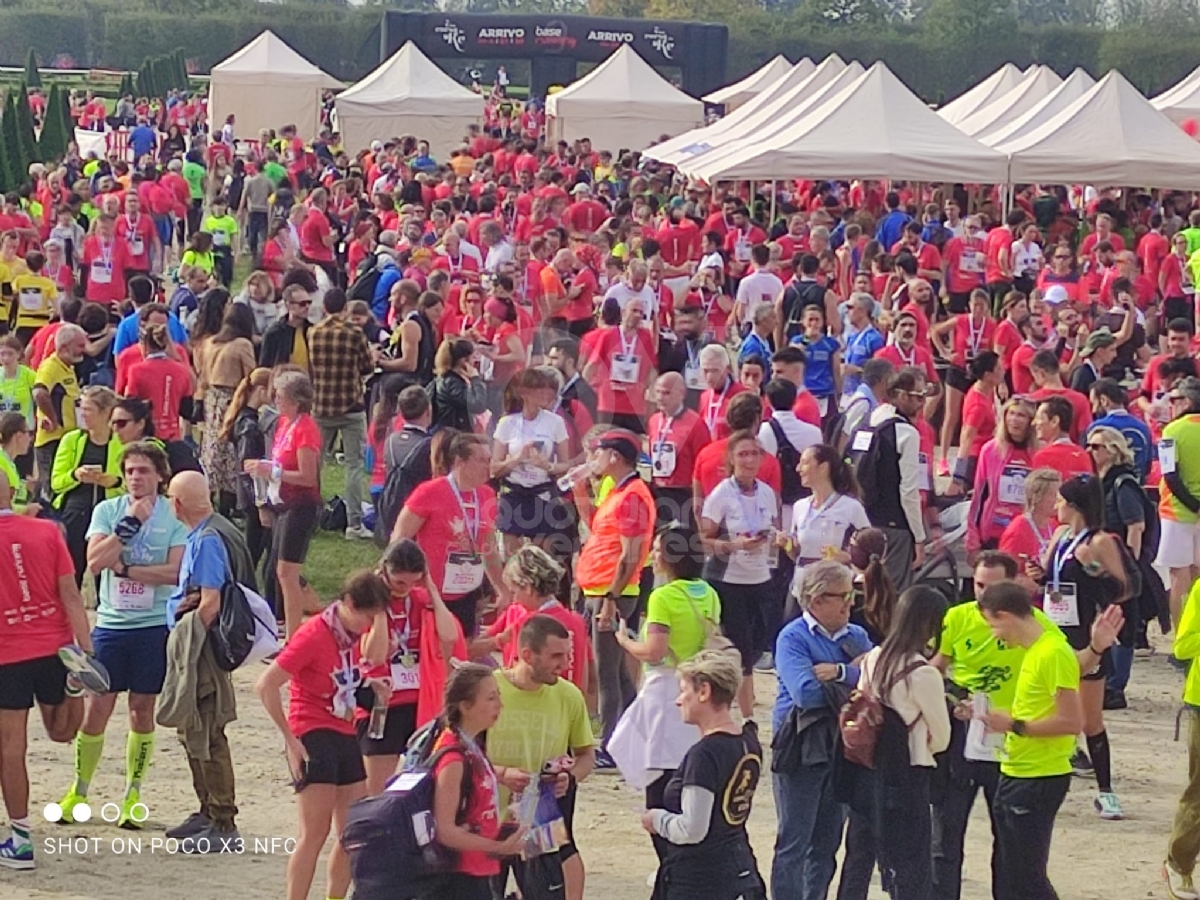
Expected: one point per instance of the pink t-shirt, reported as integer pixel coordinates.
(290, 439)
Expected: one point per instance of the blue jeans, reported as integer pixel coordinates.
(809, 833)
(1122, 663)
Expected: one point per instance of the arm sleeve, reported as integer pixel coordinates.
(908, 443)
(1129, 505)
(928, 691)
(794, 665)
(62, 474)
(691, 825)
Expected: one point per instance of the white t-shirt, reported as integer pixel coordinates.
(740, 515)
(546, 430)
(497, 256)
(622, 293)
(757, 288)
(1026, 260)
(800, 434)
(814, 529)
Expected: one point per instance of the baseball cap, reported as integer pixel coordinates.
(1056, 294)
(1097, 340)
(621, 441)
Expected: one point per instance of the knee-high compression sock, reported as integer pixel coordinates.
(88, 750)
(1101, 761)
(139, 749)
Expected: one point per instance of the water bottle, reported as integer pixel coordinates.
(260, 491)
(378, 721)
(575, 476)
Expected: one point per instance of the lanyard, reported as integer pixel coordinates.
(693, 354)
(1062, 554)
(471, 519)
(815, 512)
(663, 434)
(1043, 540)
(753, 522)
(976, 337)
(282, 440)
(911, 359)
(403, 636)
(714, 406)
(106, 253)
(627, 347)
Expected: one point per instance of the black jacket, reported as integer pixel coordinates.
(251, 444)
(455, 401)
(276, 348)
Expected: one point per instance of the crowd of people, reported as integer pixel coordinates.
(623, 442)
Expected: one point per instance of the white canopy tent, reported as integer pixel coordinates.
(770, 122)
(1073, 87)
(766, 107)
(734, 95)
(622, 103)
(991, 88)
(267, 84)
(408, 94)
(874, 128)
(1036, 86)
(1181, 102)
(1110, 135)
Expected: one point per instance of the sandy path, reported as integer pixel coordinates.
(1090, 858)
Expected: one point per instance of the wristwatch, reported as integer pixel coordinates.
(1018, 727)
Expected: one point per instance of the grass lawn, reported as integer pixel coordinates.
(331, 556)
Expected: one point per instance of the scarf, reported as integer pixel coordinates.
(341, 634)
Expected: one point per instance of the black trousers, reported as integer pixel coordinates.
(951, 810)
(256, 233)
(909, 871)
(1024, 811)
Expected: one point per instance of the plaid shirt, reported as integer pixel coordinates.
(340, 357)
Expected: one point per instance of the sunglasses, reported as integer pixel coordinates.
(301, 303)
(1092, 448)
(1060, 256)
(121, 423)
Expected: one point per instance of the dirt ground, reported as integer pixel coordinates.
(1090, 860)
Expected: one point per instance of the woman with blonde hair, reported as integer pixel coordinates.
(701, 819)
(1028, 535)
(1004, 463)
(259, 295)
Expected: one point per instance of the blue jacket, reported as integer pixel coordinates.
(389, 274)
(127, 332)
(1136, 432)
(801, 645)
(891, 229)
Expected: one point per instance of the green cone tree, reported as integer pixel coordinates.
(32, 77)
(29, 148)
(53, 142)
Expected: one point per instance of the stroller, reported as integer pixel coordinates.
(946, 567)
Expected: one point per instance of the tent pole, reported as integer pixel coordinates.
(771, 224)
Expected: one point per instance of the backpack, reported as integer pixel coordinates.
(789, 458)
(390, 838)
(397, 486)
(875, 459)
(1153, 532)
(245, 628)
(366, 277)
(861, 719)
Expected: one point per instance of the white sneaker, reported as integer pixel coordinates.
(1109, 807)
(1179, 886)
(359, 532)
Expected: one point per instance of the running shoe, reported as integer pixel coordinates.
(1081, 766)
(605, 762)
(68, 804)
(1115, 700)
(88, 671)
(20, 856)
(193, 825)
(766, 662)
(943, 468)
(1179, 886)
(131, 819)
(359, 532)
(213, 840)
(1109, 807)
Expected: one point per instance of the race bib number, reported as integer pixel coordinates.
(1166, 456)
(862, 441)
(625, 368)
(101, 272)
(693, 378)
(1012, 485)
(127, 595)
(31, 298)
(971, 261)
(137, 246)
(487, 369)
(741, 250)
(924, 473)
(664, 460)
(464, 573)
(220, 238)
(406, 674)
(1061, 605)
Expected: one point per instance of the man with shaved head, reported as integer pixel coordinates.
(676, 435)
(214, 555)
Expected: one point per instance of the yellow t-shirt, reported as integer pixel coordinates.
(681, 606)
(1049, 665)
(59, 379)
(36, 297)
(299, 356)
(202, 261)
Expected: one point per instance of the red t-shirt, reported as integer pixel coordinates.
(105, 266)
(1152, 249)
(613, 393)
(41, 343)
(290, 439)
(482, 814)
(918, 356)
(32, 617)
(138, 234)
(711, 469)
(688, 435)
(979, 411)
(1069, 459)
(1022, 377)
(585, 217)
(451, 528)
(404, 626)
(713, 405)
(970, 340)
(515, 615)
(965, 258)
(324, 680)
(805, 409)
(999, 238)
(163, 383)
(1021, 542)
(313, 232)
(1006, 341)
(463, 270)
(583, 306)
(1081, 421)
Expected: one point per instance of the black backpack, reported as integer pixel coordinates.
(366, 277)
(789, 458)
(399, 484)
(232, 634)
(390, 838)
(873, 453)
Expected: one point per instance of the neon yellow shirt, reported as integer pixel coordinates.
(202, 261)
(222, 229)
(679, 606)
(16, 393)
(1185, 432)
(1049, 666)
(979, 661)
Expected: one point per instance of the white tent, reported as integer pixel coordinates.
(1110, 135)
(874, 128)
(1181, 102)
(766, 107)
(771, 121)
(1075, 86)
(734, 95)
(622, 103)
(991, 88)
(267, 84)
(1039, 84)
(408, 94)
